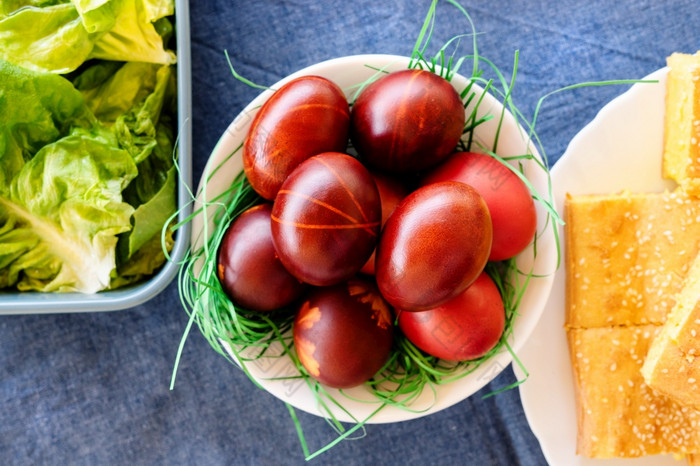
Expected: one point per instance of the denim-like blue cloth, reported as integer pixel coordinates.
(93, 388)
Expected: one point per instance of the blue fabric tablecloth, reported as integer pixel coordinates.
(93, 388)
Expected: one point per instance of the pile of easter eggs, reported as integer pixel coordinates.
(393, 238)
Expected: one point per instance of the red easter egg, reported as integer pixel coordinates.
(509, 200)
(306, 116)
(434, 245)
(248, 267)
(326, 219)
(343, 333)
(406, 121)
(466, 327)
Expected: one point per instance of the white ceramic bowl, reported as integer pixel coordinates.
(347, 72)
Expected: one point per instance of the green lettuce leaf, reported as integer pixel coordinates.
(7, 7)
(145, 131)
(111, 96)
(91, 76)
(134, 36)
(132, 95)
(67, 203)
(144, 262)
(16, 244)
(149, 218)
(97, 15)
(137, 128)
(35, 109)
(59, 37)
(138, 102)
(50, 38)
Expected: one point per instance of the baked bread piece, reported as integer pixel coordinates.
(672, 366)
(618, 414)
(681, 158)
(627, 255)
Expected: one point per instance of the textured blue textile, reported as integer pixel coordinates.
(93, 388)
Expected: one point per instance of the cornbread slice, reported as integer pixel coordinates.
(618, 414)
(627, 255)
(681, 158)
(673, 364)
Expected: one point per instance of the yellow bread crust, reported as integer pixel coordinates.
(673, 364)
(626, 256)
(681, 156)
(618, 414)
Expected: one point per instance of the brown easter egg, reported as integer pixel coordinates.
(406, 121)
(307, 116)
(326, 219)
(343, 333)
(248, 267)
(434, 245)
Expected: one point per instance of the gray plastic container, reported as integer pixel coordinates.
(12, 302)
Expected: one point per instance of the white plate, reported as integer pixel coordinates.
(348, 72)
(620, 149)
